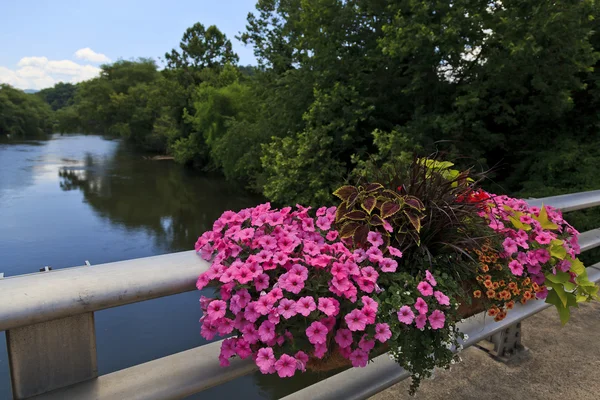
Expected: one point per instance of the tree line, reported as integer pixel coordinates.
(343, 87)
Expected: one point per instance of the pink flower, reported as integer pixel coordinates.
(382, 332)
(421, 306)
(301, 360)
(420, 321)
(291, 283)
(329, 306)
(268, 242)
(265, 359)
(405, 315)
(316, 333)
(305, 305)
(359, 358)
(543, 238)
(526, 219)
(369, 314)
(261, 282)
(515, 267)
(430, 278)
(370, 274)
(320, 350)
(331, 235)
(542, 294)
(441, 298)
(250, 312)
(224, 326)
(208, 331)
(510, 246)
(287, 308)
(359, 255)
(370, 303)
(425, 289)
(366, 344)
(285, 366)
(216, 309)
(250, 334)
(243, 275)
(329, 322)
(437, 319)
(299, 270)
(266, 331)
(365, 285)
(394, 251)
(280, 258)
(375, 239)
(311, 248)
(323, 223)
(343, 338)
(388, 265)
(264, 304)
(534, 269)
(356, 320)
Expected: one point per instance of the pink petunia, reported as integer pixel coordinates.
(430, 278)
(331, 235)
(356, 320)
(437, 319)
(369, 314)
(261, 282)
(388, 265)
(405, 315)
(285, 366)
(510, 246)
(264, 304)
(369, 302)
(291, 283)
(394, 251)
(425, 289)
(421, 306)
(287, 308)
(366, 344)
(515, 267)
(265, 359)
(382, 332)
(250, 312)
(216, 309)
(250, 333)
(329, 306)
(543, 238)
(359, 358)
(224, 326)
(243, 275)
(369, 273)
(324, 223)
(305, 306)
(441, 298)
(343, 338)
(299, 270)
(534, 269)
(316, 333)
(266, 331)
(375, 239)
(420, 321)
(301, 360)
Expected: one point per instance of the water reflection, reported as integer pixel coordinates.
(174, 205)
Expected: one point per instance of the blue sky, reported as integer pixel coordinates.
(43, 42)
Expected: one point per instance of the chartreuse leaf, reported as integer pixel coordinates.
(558, 251)
(345, 192)
(577, 267)
(543, 219)
(560, 277)
(559, 290)
(517, 222)
(562, 307)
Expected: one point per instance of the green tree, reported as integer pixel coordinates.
(22, 114)
(59, 96)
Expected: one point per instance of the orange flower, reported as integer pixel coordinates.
(502, 283)
(496, 286)
(485, 268)
(477, 294)
(527, 295)
(510, 305)
(512, 286)
(487, 277)
(505, 294)
(487, 259)
(490, 294)
(527, 281)
(501, 315)
(479, 278)
(523, 300)
(478, 252)
(485, 248)
(488, 284)
(493, 311)
(516, 292)
(498, 296)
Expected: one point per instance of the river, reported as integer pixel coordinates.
(71, 198)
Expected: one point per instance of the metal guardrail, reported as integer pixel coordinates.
(31, 305)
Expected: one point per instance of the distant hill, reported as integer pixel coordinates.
(30, 91)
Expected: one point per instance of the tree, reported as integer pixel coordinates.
(22, 114)
(59, 96)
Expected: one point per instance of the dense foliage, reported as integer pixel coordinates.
(23, 114)
(345, 86)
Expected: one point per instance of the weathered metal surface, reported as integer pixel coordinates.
(34, 298)
(52, 355)
(172, 377)
(589, 240)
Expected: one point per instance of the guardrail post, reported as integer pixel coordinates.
(52, 355)
(506, 344)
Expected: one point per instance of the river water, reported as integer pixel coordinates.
(71, 198)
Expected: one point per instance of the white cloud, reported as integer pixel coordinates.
(40, 73)
(90, 55)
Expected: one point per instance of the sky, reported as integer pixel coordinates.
(43, 42)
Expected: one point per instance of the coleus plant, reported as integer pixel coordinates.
(374, 208)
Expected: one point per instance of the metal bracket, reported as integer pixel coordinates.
(505, 345)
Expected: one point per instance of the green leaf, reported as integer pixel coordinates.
(345, 192)
(577, 267)
(569, 286)
(518, 224)
(564, 314)
(559, 290)
(558, 251)
(389, 208)
(560, 277)
(368, 204)
(543, 219)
